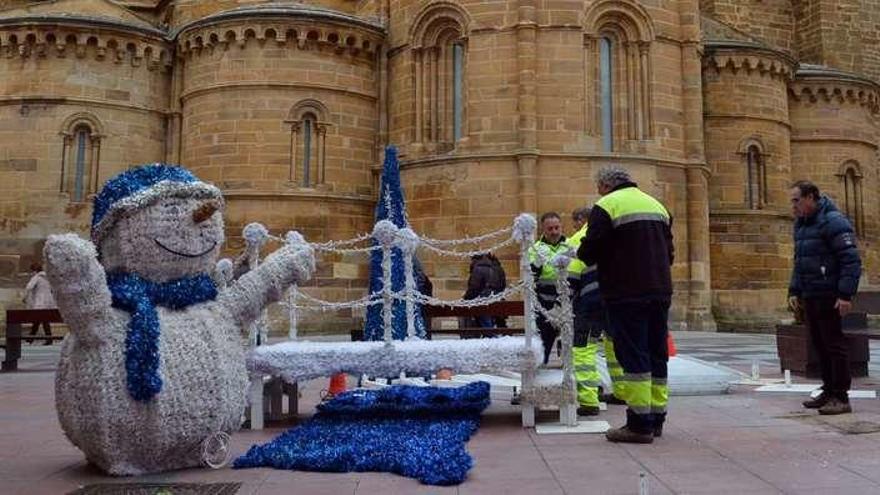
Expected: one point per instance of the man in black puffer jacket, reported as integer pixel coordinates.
(825, 277)
(486, 278)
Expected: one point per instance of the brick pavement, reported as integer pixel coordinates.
(738, 443)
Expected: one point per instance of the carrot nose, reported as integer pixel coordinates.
(205, 211)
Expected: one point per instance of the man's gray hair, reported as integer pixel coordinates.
(613, 176)
(581, 214)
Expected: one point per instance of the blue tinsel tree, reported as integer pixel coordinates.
(390, 206)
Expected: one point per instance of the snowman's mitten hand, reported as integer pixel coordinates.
(78, 281)
(255, 235)
(222, 275)
(256, 289)
(303, 257)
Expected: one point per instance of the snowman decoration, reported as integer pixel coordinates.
(154, 364)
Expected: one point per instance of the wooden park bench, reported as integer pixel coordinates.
(864, 304)
(498, 309)
(15, 320)
(796, 351)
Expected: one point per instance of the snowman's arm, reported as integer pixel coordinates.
(78, 281)
(246, 298)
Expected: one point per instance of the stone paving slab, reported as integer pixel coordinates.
(739, 443)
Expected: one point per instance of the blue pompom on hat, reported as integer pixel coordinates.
(142, 186)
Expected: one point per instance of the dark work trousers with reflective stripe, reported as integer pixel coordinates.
(639, 329)
(824, 322)
(548, 332)
(547, 298)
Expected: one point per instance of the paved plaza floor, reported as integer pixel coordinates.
(739, 443)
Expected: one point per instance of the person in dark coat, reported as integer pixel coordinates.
(824, 280)
(486, 278)
(630, 241)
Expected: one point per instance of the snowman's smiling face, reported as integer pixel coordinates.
(172, 238)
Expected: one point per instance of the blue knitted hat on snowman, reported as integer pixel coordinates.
(140, 187)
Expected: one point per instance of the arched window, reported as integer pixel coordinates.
(308, 128)
(606, 92)
(756, 178)
(308, 132)
(80, 156)
(457, 89)
(851, 177)
(617, 86)
(439, 51)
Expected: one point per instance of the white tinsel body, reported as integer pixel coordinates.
(201, 349)
(204, 391)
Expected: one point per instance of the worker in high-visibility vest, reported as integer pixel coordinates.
(542, 251)
(579, 219)
(588, 322)
(630, 240)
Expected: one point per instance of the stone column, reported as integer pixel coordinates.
(174, 130)
(95, 169)
(435, 94)
(65, 149)
(381, 139)
(591, 62)
(322, 150)
(526, 59)
(419, 73)
(645, 80)
(699, 310)
(294, 132)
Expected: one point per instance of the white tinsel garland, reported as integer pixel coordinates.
(305, 360)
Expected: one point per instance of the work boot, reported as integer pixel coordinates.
(612, 399)
(659, 419)
(625, 435)
(835, 406)
(588, 410)
(818, 402)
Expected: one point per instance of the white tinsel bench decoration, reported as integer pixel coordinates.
(297, 360)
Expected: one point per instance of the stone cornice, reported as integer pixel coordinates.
(833, 139)
(285, 13)
(245, 85)
(74, 20)
(41, 36)
(807, 72)
(813, 83)
(73, 100)
(435, 160)
(298, 31)
(118, 39)
(749, 56)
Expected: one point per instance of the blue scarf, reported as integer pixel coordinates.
(139, 297)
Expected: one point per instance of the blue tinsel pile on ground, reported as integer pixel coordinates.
(419, 432)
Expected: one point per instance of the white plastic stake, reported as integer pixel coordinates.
(788, 378)
(643, 483)
(756, 369)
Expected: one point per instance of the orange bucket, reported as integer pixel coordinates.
(337, 384)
